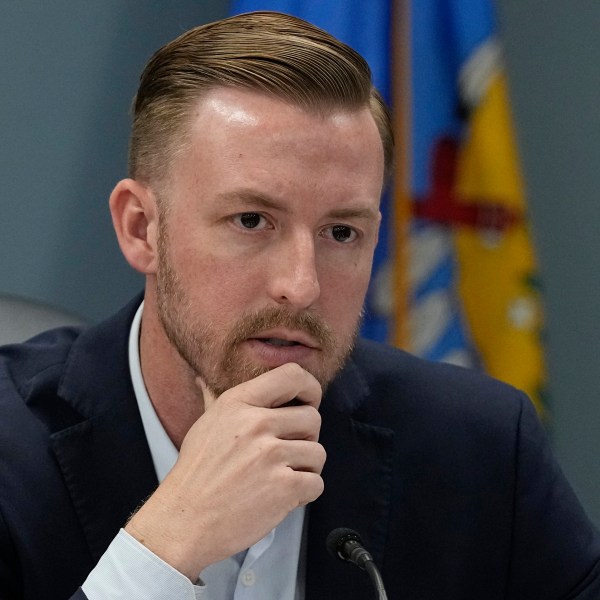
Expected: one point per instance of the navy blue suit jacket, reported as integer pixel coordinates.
(446, 473)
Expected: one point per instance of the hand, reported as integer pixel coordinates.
(243, 466)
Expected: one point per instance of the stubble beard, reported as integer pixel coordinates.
(216, 356)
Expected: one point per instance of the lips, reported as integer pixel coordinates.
(273, 348)
(285, 338)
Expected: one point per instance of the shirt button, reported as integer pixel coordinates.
(248, 578)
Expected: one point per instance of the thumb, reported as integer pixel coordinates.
(208, 397)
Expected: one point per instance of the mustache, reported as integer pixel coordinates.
(268, 318)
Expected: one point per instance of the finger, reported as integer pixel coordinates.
(278, 387)
(295, 423)
(305, 456)
(308, 486)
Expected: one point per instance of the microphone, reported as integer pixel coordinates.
(346, 544)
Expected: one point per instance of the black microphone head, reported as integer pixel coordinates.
(337, 538)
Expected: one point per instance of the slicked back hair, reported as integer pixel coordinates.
(269, 52)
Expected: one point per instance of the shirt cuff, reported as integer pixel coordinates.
(129, 570)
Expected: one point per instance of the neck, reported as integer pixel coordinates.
(169, 380)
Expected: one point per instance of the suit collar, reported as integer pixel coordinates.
(358, 480)
(98, 363)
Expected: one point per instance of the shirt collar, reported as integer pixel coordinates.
(163, 451)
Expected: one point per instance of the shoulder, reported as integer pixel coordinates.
(400, 388)
(38, 362)
(64, 374)
(396, 369)
(450, 426)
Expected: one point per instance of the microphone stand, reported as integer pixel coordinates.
(346, 544)
(371, 568)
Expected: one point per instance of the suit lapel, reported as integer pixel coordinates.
(104, 458)
(358, 479)
(108, 471)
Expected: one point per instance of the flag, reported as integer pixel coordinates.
(472, 256)
(454, 275)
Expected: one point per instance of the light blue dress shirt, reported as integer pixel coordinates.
(267, 570)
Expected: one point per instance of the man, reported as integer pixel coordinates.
(178, 450)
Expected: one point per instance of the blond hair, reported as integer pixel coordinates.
(270, 52)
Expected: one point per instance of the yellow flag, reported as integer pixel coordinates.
(498, 280)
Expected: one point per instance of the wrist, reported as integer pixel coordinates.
(168, 548)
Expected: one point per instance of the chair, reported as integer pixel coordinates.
(21, 318)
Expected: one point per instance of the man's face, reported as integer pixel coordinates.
(265, 250)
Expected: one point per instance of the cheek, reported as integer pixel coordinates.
(343, 291)
(222, 287)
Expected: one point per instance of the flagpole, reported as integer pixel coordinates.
(401, 211)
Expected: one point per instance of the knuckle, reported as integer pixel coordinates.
(314, 416)
(321, 455)
(311, 420)
(247, 393)
(292, 370)
(274, 449)
(250, 423)
(303, 487)
(317, 488)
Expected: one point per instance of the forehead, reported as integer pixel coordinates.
(238, 137)
(242, 111)
(233, 106)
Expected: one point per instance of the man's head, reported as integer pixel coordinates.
(257, 161)
(270, 52)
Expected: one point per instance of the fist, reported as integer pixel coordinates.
(249, 460)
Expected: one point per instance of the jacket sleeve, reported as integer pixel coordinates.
(556, 548)
(10, 586)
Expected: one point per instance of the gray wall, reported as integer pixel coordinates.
(553, 54)
(67, 75)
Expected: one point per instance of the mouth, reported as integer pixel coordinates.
(278, 342)
(276, 347)
(286, 339)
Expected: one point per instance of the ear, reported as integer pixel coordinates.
(135, 219)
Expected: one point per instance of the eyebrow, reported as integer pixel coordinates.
(353, 213)
(252, 198)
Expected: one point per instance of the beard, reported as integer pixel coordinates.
(216, 355)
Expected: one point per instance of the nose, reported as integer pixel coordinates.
(293, 277)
